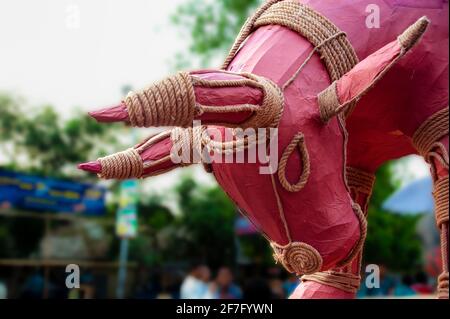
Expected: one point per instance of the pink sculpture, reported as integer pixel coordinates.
(295, 68)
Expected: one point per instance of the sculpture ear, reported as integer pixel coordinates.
(345, 92)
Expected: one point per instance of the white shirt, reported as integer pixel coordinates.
(192, 288)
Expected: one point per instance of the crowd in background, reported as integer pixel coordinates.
(405, 285)
(202, 283)
(199, 283)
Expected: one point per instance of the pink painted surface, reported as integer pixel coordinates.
(320, 214)
(380, 127)
(220, 97)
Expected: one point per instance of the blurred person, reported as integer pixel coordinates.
(421, 285)
(196, 284)
(403, 288)
(276, 286)
(225, 288)
(275, 283)
(290, 284)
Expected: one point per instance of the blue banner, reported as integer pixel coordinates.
(29, 192)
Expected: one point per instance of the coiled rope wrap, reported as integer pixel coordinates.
(338, 54)
(345, 281)
(359, 180)
(426, 140)
(128, 164)
(172, 101)
(328, 101)
(443, 286)
(169, 102)
(363, 234)
(440, 194)
(122, 165)
(298, 258)
(431, 131)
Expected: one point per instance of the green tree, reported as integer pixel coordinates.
(207, 220)
(392, 239)
(211, 27)
(155, 219)
(41, 142)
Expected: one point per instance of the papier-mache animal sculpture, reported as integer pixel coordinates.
(334, 98)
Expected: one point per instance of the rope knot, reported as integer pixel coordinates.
(123, 165)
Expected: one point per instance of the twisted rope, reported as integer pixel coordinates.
(122, 165)
(297, 140)
(440, 194)
(431, 131)
(298, 258)
(359, 180)
(426, 141)
(443, 286)
(169, 102)
(328, 101)
(363, 234)
(229, 147)
(309, 57)
(268, 114)
(336, 51)
(345, 281)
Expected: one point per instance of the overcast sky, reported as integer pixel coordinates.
(80, 53)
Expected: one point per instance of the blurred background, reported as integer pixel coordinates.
(147, 239)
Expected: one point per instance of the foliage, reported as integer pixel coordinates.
(202, 231)
(41, 142)
(392, 240)
(212, 26)
(207, 218)
(154, 219)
